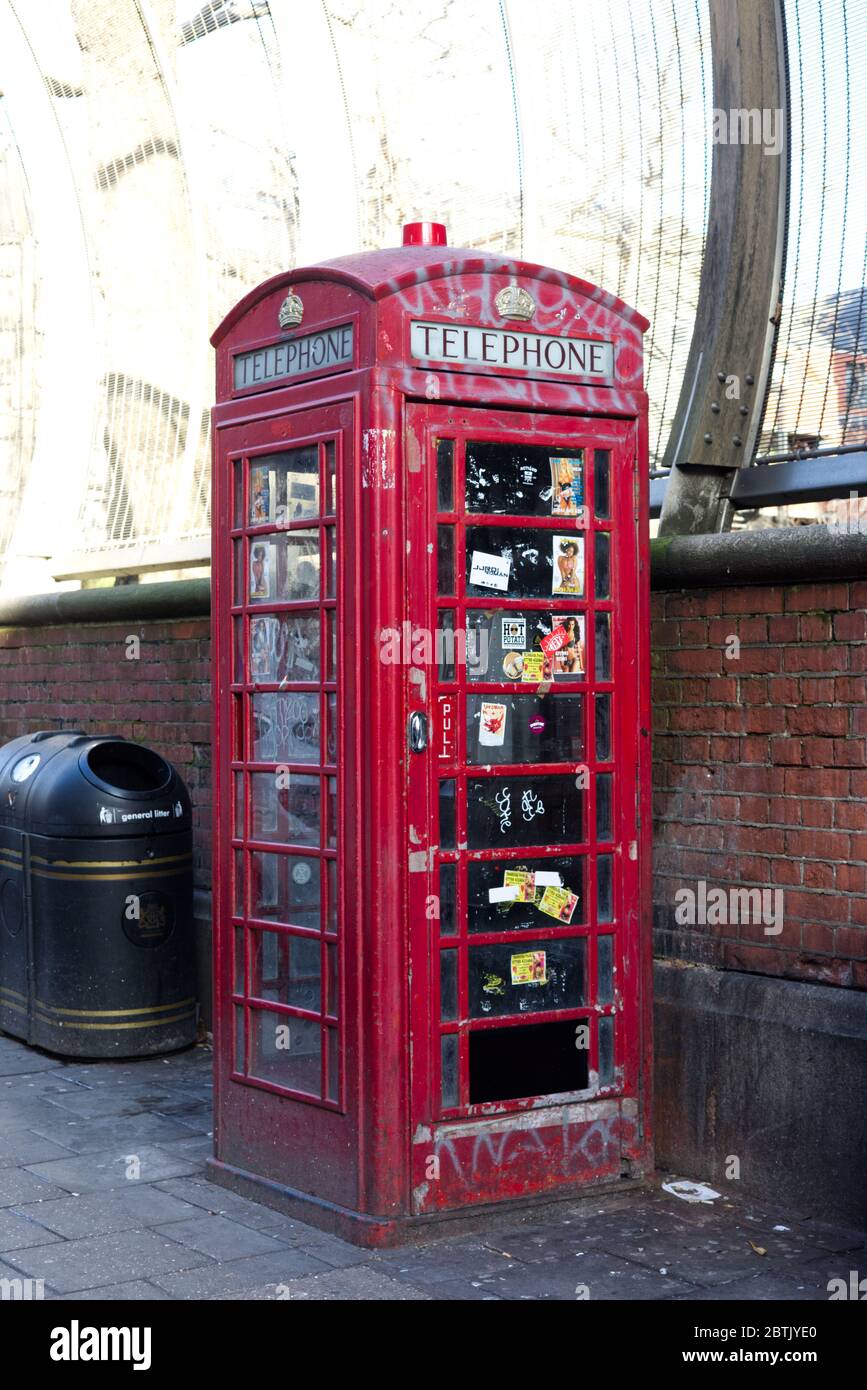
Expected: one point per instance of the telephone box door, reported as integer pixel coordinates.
(523, 789)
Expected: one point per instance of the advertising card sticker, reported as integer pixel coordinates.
(529, 968)
(559, 903)
(567, 486)
(568, 567)
(514, 633)
(492, 724)
(490, 571)
(534, 666)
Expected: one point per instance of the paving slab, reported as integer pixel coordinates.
(358, 1284)
(20, 1146)
(108, 1168)
(18, 1231)
(234, 1277)
(221, 1238)
(98, 1261)
(138, 1206)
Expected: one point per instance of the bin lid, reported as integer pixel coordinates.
(63, 782)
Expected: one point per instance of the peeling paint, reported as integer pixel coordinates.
(418, 861)
(377, 458)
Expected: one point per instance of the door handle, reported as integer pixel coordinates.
(418, 731)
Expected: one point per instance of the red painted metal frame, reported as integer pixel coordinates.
(358, 1164)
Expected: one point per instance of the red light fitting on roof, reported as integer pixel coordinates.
(424, 234)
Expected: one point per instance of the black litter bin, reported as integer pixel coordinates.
(97, 954)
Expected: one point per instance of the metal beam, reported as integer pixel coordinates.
(778, 484)
(720, 410)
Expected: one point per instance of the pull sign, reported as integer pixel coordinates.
(446, 728)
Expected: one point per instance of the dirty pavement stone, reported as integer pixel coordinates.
(104, 1195)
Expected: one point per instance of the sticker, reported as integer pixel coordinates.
(567, 657)
(559, 903)
(446, 723)
(523, 883)
(546, 879)
(537, 724)
(513, 665)
(263, 644)
(261, 569)
(534, 667)
(514, 633)
(509, 893)
(494, 984)
(490, 571)
(492, 725)
(529, 968)
(302, 873)
(568, 573)
(567, 486)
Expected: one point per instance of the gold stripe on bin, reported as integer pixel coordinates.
(103, 1027)
(113, 1013)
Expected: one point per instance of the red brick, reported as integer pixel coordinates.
(761, 599)
(810, 597)
(817, 844)
(816, 690)
(817, 719)
(753, 690)
(850, 627)
(815, 627)
(818, 875)
(755, 749)
(752, 808)
(694, 661)
(850, 815)
(817, 813)
(817, 938)
(827, 907)
(850, 689)
(850, 752)
(786, 752)
(758, 661)
(786, 871)
(783, 629)
(784, 690)
(700, 604)
(724, 750)
(852, 878)
(851, 943)
(829, 658)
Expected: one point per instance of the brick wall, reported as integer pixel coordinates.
(760, 758)
(80, 677)
(760, 778)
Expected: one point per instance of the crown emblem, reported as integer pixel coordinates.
(291, 311)
(515, 303)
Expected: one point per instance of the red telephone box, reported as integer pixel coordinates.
(432, 851)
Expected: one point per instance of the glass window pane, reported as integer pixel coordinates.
(333, 1041)
(331, 643)
(449, 1070)
(525, 728)
(330, 563)
(285, 888)
(606, 1051)
(530, 977)
(333, 912)
(446, 644)
(331, 740)
(284, 647)
(448, 902)
(238, 884)
(284, 567)
(525, 645)
(516, 479)
(524, 562)
(239, 805)
(491, 908)
(445, 475)
(604, 808)
(445, 559)
(601, 483)
(331, 478)
(286, 969)
(333, 967)
(286, 1051)
(240, 1047)
(603, 646)
(605, 969)
(504, 811)
(604, 889)
(603, 728)
(284, 487)
(238, 493)
(602, 542)
(238, 961)
(332, 812)
(448, 985)
(447, 814)
(285, 727)
(238, 651)
(287, 813)
(238, 571)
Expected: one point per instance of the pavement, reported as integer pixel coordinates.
(103, 1195)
